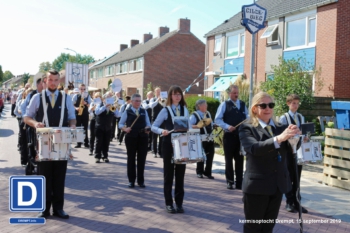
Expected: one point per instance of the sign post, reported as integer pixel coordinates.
(253, 19)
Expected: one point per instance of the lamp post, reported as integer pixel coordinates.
(71, 50)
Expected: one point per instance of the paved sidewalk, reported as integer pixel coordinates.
(98, 200)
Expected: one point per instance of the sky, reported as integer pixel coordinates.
(36, 31)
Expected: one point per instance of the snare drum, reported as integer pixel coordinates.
(78, 135)
(187, 148)
(61, 135)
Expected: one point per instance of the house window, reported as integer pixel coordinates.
(100, 73)
(140, 64)
(122, 67)
(93, 74)
(133, 65)
(109, 70)
(271, 33)
(235, 45)
(218, 40)
(301, 32)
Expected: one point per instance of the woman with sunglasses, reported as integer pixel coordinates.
(178, 106)
(266, 177)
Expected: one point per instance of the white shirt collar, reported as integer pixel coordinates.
(48, 93)
(263, 124)
(291, 113)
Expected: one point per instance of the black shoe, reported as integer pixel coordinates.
(170, 209)
(86, 146)
(91, 153)
(77, 146)
(209, 176)
(106, 160)
(179, 209)
(199, 175)
(97, 160)
(154, 155)
(238, 187)
(290, 208)
(142, 185)
(304, 211)
(131, 185)
(120, 143)
(44, 214)
(60, 214)
(229, 185)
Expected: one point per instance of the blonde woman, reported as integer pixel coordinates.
(266, 177)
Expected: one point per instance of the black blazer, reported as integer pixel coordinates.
(264, 174)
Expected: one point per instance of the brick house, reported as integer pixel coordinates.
(175, 57)
(317, 30)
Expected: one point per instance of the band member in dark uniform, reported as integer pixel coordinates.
(229, 114)
(266, 177)
(178, 106)
(156, 106)
(92, 108)
(104, 116)
(135, 123)
(54, 171)
(118, 101)
(124, 107)
(202, 116)
(81, 111)
(147, 107)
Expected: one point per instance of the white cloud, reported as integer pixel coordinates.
(177, 9)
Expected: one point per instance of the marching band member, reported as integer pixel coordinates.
(156, 108)
(202, 115)
(92, 108)
(103, 129)
(135, 123)
(266, 177)
(178, 105)
(229, 114)
(147, 107)
(124, 107)
(118, 101)
(54, 171)
(295, 118)
(19, 112)
(82, 117)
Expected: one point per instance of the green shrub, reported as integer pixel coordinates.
(213, 104)
(220, 138)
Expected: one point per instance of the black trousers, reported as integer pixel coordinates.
(261, 207)
(157, 147)
(83, 120)
(136, 147)
(19, 145)
(121, 136)
(102, 142)
(208, 148)
(92, 134)
(291, 197)
(231, 150)
(24, 144)
(150, 142)
(13, 106)
(172, 170)
(55, 175)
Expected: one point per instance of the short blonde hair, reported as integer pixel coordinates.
(97, 94)
(254, 120)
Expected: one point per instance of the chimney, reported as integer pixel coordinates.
(122, 47)
(147, 37)
(163, 31)
(184, 25)
(133, 43)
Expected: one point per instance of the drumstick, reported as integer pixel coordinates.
(240, 123)
(168, 132)
(134, 121)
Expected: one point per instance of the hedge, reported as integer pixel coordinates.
(213, 104)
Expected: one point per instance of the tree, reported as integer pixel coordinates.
(294, 76)
(44, 67)
(1, 74)
(147, 89)
(109, 83)
(25, 78)
(60, 62)
(7, 75)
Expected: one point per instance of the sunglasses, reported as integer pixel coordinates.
(263, 106)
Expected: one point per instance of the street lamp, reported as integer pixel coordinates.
(72, 50)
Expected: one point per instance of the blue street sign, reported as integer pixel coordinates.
(253, 17)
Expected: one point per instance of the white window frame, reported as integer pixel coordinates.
(139, 65)
(269, 34)
(108, 71)
(307, 16)
(238, 33)
(218, 38)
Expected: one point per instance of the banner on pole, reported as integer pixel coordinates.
(253, 17)
(77, 74)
